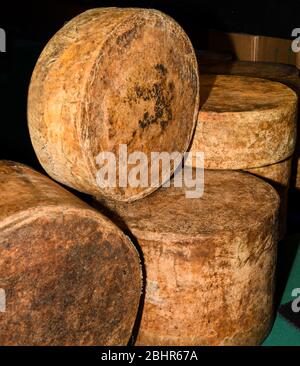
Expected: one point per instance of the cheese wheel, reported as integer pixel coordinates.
(278, 175)
(68, 275)
(111, 77)
(244, 122)
(209, 261)
(286, 74)
(266, 70)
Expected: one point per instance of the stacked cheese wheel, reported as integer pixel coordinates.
(70, 276)
(248, 123)
(209, 261)
(278, 175)
(285, 74)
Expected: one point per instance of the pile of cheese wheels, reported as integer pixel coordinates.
(146, 264)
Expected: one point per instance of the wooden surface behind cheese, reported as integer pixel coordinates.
(112, 76)
(70, 276)
(209, 261)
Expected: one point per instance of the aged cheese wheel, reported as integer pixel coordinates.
(278, 175)
(244, 122)
(286, 74)
(69, 275)
(209, 261)
(111, 77)
(266, 70)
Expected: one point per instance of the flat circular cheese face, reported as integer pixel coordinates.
(232, 201)
(244, 122)
(112, 77)
(242, 94)
(68, 275)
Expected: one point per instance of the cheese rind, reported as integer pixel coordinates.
(111, 77)
(206, 260)
(285, 74)
(278, 175)
(69, 275)
(244, 122)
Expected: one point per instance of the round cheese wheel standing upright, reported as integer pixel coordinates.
(68, 275)
(209, 261)
(278, 175)
(244, 122)
(112, 79)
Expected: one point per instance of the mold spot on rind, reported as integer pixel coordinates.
(162, 108)
(161, 69)
(163, 124)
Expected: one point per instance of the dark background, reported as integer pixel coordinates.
(38, 20)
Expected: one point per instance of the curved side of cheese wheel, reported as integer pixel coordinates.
(111, 77)
(278, 175)
(70, 276)
(285, 74)
(294, 83)
(209, 261)
(244, 122)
